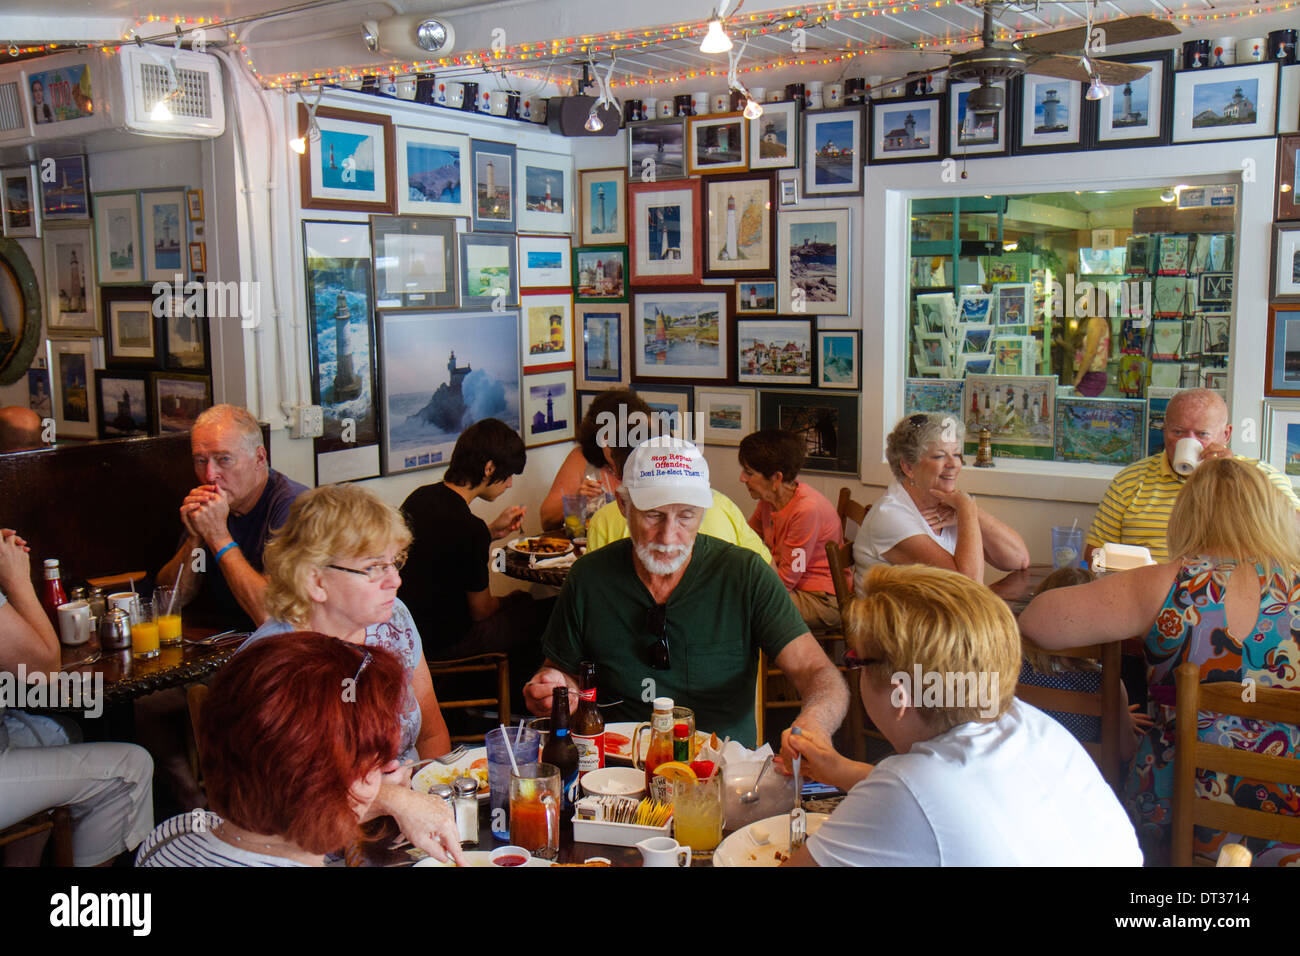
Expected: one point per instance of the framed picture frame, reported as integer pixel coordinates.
(777, 351)
(163, 226)
(1231, 102)
(755, 296)
(603, 206)
(194, 204)
(337, 257)
(72, 299)
(1282, 365)
(133, 326)
(430, 173)
(198, 257)
(117, 238)
(839, 358)
(739, 218)
(601, 336)
(774, 138)
(788, 191)
(814, 249)
(415, 262)
(827, 421)
(351, 166)
(126, 408)
(656, 150)
(545, 191)
(664, 233)
(72, 364)
(549, 409)
(600, 274)
(423, 412)
(1137, 113)
(1288, 96)
(546, 332)
(545, 262)
(21, 202)
(185, 344)
(832, 152)
(724, 415)
(1018, 409)
(1286, 208)
(973, 134)
(494, 186)
(1282, 437)
(1284, 273)
(673, 406)
(1049, 114)
(1105, 431)
(681, 335)
(487, 270)
(717, 143)
(907, 130)
(65, 192)
(179, 399)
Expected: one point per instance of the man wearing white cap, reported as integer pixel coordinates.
(669, 612)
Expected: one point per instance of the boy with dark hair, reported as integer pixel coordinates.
(445, 580)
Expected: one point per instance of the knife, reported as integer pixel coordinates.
(798, 820)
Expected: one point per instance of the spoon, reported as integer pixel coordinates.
(751, 796)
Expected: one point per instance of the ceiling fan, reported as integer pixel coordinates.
(1061, 54)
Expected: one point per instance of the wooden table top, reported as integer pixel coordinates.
(126, 677)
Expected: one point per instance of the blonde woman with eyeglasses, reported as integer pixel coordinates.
(334, 568)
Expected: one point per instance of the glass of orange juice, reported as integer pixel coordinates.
(167, 611)
(144, 633)
(698, 814)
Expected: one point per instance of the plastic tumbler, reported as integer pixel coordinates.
(575, 515)
(528, 751)
(1067, 545)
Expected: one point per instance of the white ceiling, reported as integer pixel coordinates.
(316, 35)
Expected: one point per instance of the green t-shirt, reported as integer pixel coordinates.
(727, 605)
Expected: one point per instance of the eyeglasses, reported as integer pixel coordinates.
(919, 419)
(656, 622)
(851, 660)
(366, 657)
(374, 572)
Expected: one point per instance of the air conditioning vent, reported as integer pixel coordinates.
(11, 108)
(193, 99)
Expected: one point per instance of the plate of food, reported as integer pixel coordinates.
(483, 858)
(543, 545)
(472, 762)
(763, 843)
(618, 740)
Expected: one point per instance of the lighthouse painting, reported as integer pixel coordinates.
(739, 226)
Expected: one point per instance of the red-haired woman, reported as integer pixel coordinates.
(295, 735)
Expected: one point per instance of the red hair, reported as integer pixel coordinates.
(285, 733)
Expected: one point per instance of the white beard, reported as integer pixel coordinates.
(663, 559)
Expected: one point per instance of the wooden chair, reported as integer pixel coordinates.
(850, 510)
(195, 695)
(1104, 703)
(1269, 704)
(57, 820)
(477, 664)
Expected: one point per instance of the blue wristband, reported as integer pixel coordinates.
(233, 544)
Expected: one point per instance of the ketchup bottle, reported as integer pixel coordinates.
(52, 593)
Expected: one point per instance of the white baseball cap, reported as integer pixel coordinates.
(667, 471)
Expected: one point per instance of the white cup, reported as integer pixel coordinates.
(128, 601)
(455, 95)
(1223, 51)
(1187, 455)
(758, 94)
(1252, 50)
(700, 102)
(776, 95)
(538, 110)
(666, 107)
(664, 851)
(498, 102)
(440, 96)
(814, 92)
(74, 623)
(834, 95)
(721, 102)
(388, 85)
(406, 88)
(650, 107)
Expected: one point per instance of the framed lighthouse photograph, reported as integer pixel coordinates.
(603, 202)
(739, 218)
(350, 166)
(1137, 112)
(906, 130)
(832, 152)
(1051, 114)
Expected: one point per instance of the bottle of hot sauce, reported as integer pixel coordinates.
(588, 724)
(661, 738)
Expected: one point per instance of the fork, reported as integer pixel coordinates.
(446, 759)
(798, 820)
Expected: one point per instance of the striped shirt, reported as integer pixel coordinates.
(188, 840)
(1136, 507)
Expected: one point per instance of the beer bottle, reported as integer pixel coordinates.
(588, 725)
(560, 751)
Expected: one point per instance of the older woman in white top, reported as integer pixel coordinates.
(922, 518)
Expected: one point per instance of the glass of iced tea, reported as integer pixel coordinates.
(535, 809)
(167, 612)
(697, 814)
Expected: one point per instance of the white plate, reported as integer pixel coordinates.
(515, 547)
(739, 848)
(624, 753)
(483, 858)
(432, 773)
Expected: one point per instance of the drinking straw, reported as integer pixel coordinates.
(505, 739)
(519, 733)
(176, 588)
(1075, 524)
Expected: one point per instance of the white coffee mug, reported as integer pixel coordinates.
(1187, 455)
(406, 88)
(834, 94)
(666, 107)
(388, 85)
(498, 101)
(1223, 51)
(526, 107)
(538, 110)
(1252, 50)
(455, 95)
(649, 107)
(721, 102)
(700, 102)
(441, 97)
(776, 95)
(664, 851)
(814, 93)
(758, 94)
(74, 623)
(128, 601)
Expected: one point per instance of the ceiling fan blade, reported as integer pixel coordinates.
(1114, 32)
(909, 77)
(1113, 74)
(1070, 68)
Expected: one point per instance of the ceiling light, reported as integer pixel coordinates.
(161, 112)
(370, 34)
(1096, 90)
(1168, 195)
(716, 40)
(593, 124)
(298, 145)
(753, 109)
(432, 35)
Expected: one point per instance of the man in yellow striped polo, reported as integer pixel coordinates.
(1135, 509)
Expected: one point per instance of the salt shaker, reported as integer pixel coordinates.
(465, 802)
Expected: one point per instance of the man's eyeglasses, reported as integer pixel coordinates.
(374, 572)
(656, 622)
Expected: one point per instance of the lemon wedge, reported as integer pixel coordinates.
(675, 770)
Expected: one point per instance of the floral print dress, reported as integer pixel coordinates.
(1192, 626)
